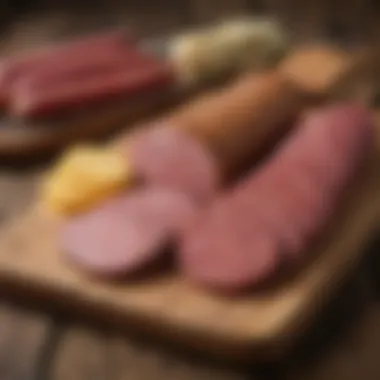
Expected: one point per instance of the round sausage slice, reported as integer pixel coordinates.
(225, 248)
(166, 157)
(126, 233)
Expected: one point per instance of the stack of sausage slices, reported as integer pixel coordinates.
(233, 185)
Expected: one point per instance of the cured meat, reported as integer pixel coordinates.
(65, 55)
(165, 157)
(78, 68)
(187, 153)
(222, 255)
(294, 199)
(125, 234)
(74, 93)
(240, 121)
(274, 213)
(207, 142)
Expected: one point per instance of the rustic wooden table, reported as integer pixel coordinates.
(36, 344)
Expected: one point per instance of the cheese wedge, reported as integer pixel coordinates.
(84, 177)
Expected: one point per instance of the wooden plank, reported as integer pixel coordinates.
(24, 334)
(205, 11)
(152, 18)
(306, 21)
(16, 192)
(87, 354)
(353, 356)
(345, 346)
(31, 32)
(80, 355)
(23, 338)
(351, 21)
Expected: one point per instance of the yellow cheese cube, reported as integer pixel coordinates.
(84, 177)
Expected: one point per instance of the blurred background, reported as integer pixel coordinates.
(349, 21)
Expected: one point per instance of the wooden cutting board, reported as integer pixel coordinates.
(262, 323)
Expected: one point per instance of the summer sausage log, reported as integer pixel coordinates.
(273, 214)
(238, 122)
(12, 69)
(122, 235)
(232, 126)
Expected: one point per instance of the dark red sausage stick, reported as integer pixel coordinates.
(73, 93)
(79, 68)
(66, 54)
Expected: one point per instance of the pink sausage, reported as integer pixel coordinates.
(276, 212)
(167, 157)
(127, 233)
(218, 249)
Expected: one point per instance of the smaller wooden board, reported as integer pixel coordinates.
(23, 140)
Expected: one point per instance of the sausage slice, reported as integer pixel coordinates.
(166, 157)
(126, 233)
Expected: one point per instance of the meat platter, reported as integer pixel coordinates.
(223, 225)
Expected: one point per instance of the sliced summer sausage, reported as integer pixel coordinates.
(216, 136)
(169, 158)
(278, 217)
(187, 152)
(126, 233)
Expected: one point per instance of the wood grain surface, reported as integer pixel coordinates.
(343, 345)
